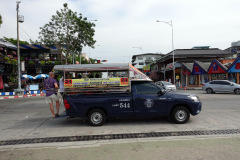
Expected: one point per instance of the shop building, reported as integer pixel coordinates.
(203, 54)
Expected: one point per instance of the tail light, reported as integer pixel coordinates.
(67, 106)
(203, 84)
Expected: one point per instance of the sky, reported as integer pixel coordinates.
(124, 24)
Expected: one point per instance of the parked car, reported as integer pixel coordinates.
(221, 86)
(166, 85)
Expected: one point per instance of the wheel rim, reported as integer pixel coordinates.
(237, 91)
(209, 91)
(181, 115)
(96, 118)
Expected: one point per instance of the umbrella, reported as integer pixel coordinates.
(40, 76)
(25, 76)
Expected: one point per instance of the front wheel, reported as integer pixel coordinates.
(237, 91)
(180, 115)
(96, 117)
(209, 90)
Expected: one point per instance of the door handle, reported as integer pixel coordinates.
(162, 98)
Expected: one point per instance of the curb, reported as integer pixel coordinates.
(23, 96)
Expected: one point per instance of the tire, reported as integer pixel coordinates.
(237, 91)
(209, 90)
(180, 115)
(96, 117)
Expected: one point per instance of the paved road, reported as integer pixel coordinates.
(31, 118)
(182, 149)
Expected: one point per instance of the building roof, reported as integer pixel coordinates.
(145, 54)
(183, 53)
(188, 66)
(204, 66)
(4, 43)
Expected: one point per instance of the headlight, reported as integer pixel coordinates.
(194, 98)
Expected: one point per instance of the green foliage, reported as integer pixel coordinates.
(59, 77)
(34, 42)
(57, 62)
(69, 29)
(14, 41)
(13, 62)
(42, 63)
(10, 60)
(49, 62)
(13, 78)
(1, 21)
(31, 63)
(6, 58)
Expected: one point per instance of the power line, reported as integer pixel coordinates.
(25, 33)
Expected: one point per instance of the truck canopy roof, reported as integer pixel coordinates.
(93, 67)
(134, 73)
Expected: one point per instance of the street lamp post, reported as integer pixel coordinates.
(170, 23)
(19, 19)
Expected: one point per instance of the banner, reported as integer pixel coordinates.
(146, 68)
(95, 82)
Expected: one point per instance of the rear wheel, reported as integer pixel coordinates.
(96, 117)
(237, 91)
(180, 115)
(209, 90)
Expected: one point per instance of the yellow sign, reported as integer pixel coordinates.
(95, 82)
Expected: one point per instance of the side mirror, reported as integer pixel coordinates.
(232, 84)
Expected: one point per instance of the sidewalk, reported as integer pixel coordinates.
(190, 88)
(21, 96)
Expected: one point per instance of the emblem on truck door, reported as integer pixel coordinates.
(148, 103)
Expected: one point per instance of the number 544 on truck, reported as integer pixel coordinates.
(103, 91)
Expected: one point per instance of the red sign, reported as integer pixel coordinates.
(67, 83)
(215, 68)
(186, 72)
(237, 66)
(124, 81)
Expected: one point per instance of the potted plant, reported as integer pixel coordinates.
(31, 63)
(57, 62)
(42, 63)
(49, 62)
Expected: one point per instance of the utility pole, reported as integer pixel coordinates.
(19, 19)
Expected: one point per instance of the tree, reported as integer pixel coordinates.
(1, 21)
(14, 41)
(68, 29)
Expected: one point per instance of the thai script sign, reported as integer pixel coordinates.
(95, 82)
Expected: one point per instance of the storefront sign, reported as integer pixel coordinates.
(146, 68)
(235, 66)
(95, 82)
(215, 67)
(197, 69)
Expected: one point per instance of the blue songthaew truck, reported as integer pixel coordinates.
(120, 90)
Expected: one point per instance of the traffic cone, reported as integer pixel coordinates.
(181, 86)
(185, 88)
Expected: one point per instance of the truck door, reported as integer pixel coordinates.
(147, 101)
